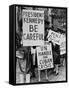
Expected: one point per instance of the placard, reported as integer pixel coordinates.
(54, 37)
(33, 27)
(63, 45)
(44, 56)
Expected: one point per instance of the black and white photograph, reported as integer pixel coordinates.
(40, 44)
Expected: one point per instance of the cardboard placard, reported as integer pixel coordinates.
(33, 27)
(63, 45)
(59, 39)
(54, 37)
(44, 56)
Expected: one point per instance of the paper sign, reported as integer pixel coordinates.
(33, 27)
(44, 56)
(63, 45)
(54, 37)
(59, 39)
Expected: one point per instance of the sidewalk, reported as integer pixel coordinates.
(61, 76)
(51, 76)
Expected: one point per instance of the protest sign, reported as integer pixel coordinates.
(33, 27)
(44, 56)
(59, 39)
(63, 45)
(54, 37)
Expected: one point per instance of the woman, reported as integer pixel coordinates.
(56, 57)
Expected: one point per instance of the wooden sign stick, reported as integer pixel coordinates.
(46, 74)
(33, 58)
(39, 79)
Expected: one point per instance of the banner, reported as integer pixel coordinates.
(33, 27)
(54, 37)
(44, 56)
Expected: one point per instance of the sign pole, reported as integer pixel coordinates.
(28, 75)
(46, 74)
(33, 58)
(39, 75)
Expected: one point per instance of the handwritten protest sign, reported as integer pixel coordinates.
(54, 37)
(59, 39)
(63, 45)
(33, 27)
(44, 56)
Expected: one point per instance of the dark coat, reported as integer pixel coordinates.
(56, 54)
